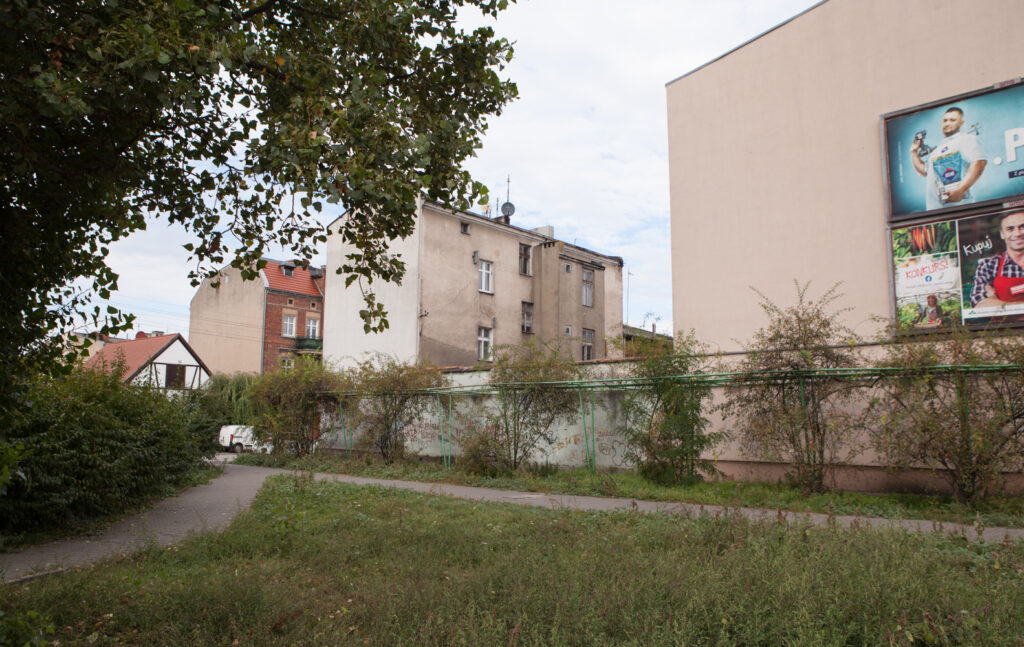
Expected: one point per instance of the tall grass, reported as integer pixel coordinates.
(315, 563)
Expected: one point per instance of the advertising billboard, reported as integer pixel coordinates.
(957, 153)
(969, 270)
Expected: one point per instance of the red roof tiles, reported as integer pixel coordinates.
(300, 282)
(135, 354)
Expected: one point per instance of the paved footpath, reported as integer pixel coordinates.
(212, 506)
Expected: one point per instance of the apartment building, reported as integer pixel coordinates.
(255, 326)
(474, 282)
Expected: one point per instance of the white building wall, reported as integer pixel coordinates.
(176, 353)
(345, 341)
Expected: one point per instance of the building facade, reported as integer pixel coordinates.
(804, 155)
(256, 326)
(163, 361)
(777, 160)
(473, 283)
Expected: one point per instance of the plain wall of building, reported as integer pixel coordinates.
(775, 156)
(225, 323)
(345, 341)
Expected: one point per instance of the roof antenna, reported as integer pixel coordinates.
(508, 208)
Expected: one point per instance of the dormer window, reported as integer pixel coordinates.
(287, 270)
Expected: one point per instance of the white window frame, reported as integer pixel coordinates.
(484, 344)
(313, 322)
(588, 344)
(486, 277)
(587, 299)
(287, 363)
(288, 324)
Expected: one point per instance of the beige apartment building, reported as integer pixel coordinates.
(777, 156)
(811, 153)
(472, 283)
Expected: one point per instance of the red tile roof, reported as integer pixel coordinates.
(135, 354)
(300, 282)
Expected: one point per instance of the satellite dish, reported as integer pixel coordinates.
(508, 209)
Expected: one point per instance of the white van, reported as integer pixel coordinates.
(238, 438)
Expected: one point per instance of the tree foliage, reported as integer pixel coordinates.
(242, 121)
(290, 405)
(966, 424)
(780, 407)
(391, 396)
(528, 401)
(222, 400)
(665, 427)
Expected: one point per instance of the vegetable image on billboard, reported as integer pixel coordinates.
(926, 275)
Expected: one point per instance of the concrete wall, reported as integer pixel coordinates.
(225, 325)
(345, 342)
(775, 156)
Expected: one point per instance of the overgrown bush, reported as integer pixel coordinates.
(665, 427)
(390, 397)
(967, 422)
(93, 446)
(780, 408)
(527, 401)
(290, 405)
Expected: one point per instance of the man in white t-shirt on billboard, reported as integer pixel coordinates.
(952, 167)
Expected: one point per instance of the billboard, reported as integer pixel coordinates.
(969, 270)
(957, 153)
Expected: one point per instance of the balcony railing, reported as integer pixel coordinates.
(309, 343)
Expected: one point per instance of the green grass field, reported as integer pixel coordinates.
(994, 512)
(315, 563)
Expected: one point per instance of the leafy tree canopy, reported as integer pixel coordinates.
(239, 120)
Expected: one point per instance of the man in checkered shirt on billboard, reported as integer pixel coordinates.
(999, 280)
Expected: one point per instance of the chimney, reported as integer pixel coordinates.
(141, 335)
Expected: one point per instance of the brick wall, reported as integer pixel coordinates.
(275, 344)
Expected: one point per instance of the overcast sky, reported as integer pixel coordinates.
(585, 144)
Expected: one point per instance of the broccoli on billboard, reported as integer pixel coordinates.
(957, 154)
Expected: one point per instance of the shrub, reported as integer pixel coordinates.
(94, 446)
(964, 421)
(291, 404)
(391, 395)
(783, 408)
(665, 427)
(528, 400)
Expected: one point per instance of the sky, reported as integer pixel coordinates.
(583, 148)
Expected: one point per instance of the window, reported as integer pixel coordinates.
(485, 277)
(288, 325)
(287, 271)
(464, 227)
(527, 316)
(291, 302)
(524, 259)
(588, 344)
(312, 328)
(484, 344)
(568, 331)
(568, 268)
(312, 305)
(287, 363)
(588, 288)
(174, 377)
